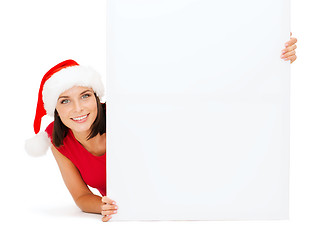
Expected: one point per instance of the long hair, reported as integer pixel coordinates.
(60, 131)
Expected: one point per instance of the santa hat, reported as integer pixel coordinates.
(58, 79)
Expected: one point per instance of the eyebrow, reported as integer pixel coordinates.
(80, 94)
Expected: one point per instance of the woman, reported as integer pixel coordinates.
(71, 93)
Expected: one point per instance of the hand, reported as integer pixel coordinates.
(289, 52)
(108, 207)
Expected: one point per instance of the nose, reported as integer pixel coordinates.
(78, 107)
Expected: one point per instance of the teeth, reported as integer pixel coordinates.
(80, 118)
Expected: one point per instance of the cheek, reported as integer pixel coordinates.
(94, 107)
(63, 114)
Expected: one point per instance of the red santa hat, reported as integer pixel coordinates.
(58, 79)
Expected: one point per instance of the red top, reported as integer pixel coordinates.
(92, 168)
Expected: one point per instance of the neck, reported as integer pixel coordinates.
(82, 138)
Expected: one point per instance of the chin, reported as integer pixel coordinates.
(81, 129)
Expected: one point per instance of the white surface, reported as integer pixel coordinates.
(189, 115)
(34, 202)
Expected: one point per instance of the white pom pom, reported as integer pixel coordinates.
(38, 145)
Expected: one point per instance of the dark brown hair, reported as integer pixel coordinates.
(60, 131)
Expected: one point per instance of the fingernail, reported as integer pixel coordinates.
(115, 211)
(113, 202)
(116, 207)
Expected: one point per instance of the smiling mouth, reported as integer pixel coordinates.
(81, 118)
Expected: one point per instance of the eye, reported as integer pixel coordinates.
(64, 101)
(86, 95)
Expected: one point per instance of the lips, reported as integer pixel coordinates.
(80, 119)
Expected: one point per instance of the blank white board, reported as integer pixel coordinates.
(198, 109)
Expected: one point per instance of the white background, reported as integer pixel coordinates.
(36, 35)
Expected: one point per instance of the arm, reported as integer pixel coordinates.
(83, 197)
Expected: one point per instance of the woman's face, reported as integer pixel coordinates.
(77, 108)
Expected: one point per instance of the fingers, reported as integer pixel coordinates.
(291, 42)
(289, 49)
(288, 54)
(108, 200)
(105, 213)
(292, 58)
(108, 208)
(106, 218)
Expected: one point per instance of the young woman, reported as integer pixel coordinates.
(71, 93)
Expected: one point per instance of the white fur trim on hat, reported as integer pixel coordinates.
(66, 79)
(38, 145)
